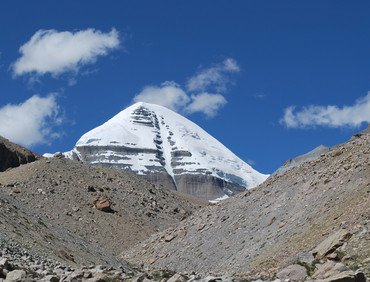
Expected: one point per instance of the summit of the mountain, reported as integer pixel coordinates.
(168, 149)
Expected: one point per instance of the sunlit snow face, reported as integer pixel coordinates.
(145, 138)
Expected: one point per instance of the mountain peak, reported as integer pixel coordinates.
(169, 149)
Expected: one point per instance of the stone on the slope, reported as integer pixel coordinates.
(305, 258)
(15, 276)
(170, 237)
(346, 276)
(4, 263)
(294, 272)
(331, 243)
(50, 278)
(328, 269)
(103, 205)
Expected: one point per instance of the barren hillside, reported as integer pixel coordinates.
(81, 214)
(278, 223)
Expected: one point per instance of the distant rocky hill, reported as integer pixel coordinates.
(12, 155)
(313, 221)
(168, 149)
(310, 156)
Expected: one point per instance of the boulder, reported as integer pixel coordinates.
(346, 276)
(15, 276)
(331, 243)
(103, 205)
(329, 269)
(294, 272)
(50, 278)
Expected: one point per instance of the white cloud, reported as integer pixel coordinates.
(206, 103)
(169, 95)
(194, 99)
(50, 51)
(30, 122)
(331, 116)
(216, 76)
(231, 65)
(172, 96)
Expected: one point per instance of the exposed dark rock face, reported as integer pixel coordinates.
(205, 186)
(12, 155)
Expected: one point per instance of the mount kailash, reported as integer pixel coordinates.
(167, 149)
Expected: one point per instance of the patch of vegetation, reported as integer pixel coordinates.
(311, 268)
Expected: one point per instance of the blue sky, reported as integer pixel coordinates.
(256, 61)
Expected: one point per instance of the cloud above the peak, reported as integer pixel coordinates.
(206, 103)
(53, 52)
(203, 93)
(31, 122)
(217, 76)
(169, 95)
(329, 116)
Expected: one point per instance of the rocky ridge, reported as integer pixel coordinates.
(267, 231)
(13, 155)
(299, 160)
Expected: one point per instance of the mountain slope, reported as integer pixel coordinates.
(267, 228)
(80, 214)
(169, 149)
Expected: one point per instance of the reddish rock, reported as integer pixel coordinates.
(103, 205)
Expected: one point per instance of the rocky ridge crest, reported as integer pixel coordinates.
(13, 155)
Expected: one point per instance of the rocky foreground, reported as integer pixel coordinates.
(61, 220)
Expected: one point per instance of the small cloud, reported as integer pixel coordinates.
(330, 116)
(53, 52)
(31, 122)
(169, 95)
(216, 77)
(72, 81)
(259, 96)
(206, 103)
(230, 65)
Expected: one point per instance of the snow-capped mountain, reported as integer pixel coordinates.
(167, 149)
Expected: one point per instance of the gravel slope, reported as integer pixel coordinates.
(269, 227)
(48, 207)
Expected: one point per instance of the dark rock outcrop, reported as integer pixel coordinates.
(12, 155)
